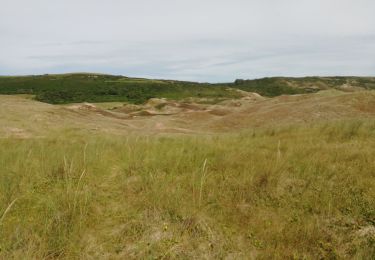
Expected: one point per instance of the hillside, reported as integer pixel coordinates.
(284, 85)
(199, 172)
(84, 87)
(72, 88)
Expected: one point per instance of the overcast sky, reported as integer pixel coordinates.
(202, 40)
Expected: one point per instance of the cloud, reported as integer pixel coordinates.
(191, 40)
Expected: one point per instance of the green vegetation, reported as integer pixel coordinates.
(75, 88)
(297, 192)
(278, 86)
(268, 87)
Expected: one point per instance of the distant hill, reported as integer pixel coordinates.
(87, 87)
(83, 87)
(285, 85)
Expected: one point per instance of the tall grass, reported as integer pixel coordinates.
(291, 192)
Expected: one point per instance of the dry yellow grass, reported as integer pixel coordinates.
(128, 190)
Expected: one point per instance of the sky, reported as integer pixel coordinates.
(197, 40)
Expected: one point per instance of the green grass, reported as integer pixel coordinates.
(297, 192)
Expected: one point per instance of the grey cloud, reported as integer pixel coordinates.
(192, 40)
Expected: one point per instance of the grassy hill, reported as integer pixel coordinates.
(289, 177)
(83, 87)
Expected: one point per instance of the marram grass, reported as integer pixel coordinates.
(291, 192)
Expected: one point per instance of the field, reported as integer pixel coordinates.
(239, 177)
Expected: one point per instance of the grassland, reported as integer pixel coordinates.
(297, 192)
(195, 177)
